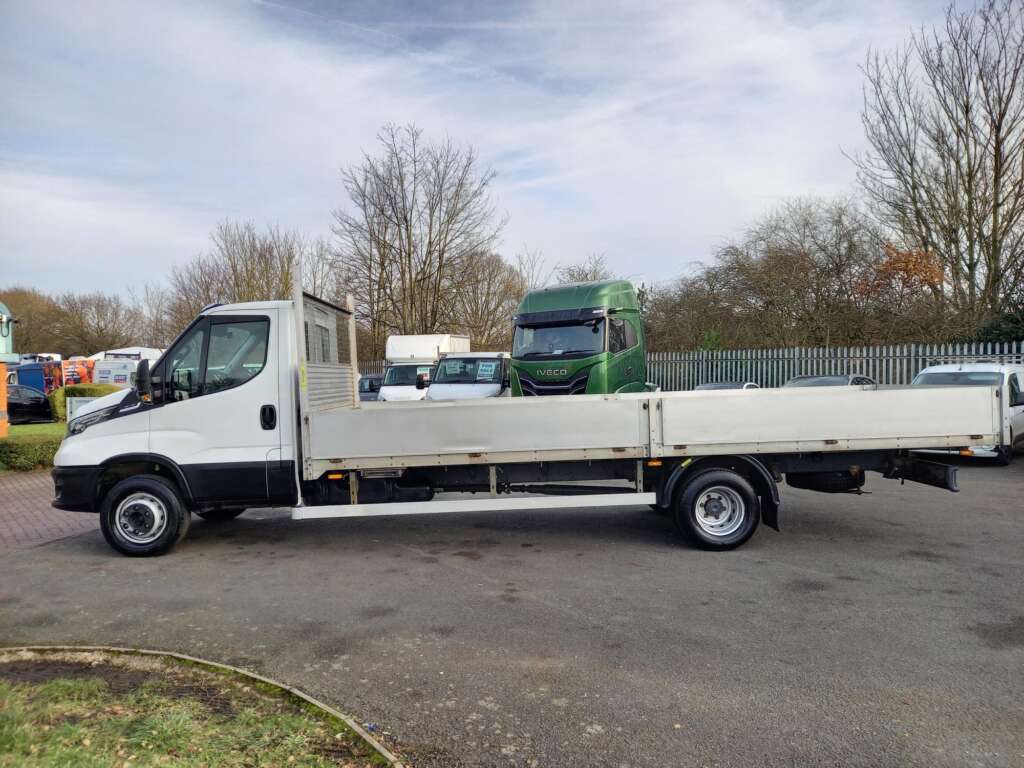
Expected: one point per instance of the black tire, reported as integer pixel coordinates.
(1004, 455)
(151, 523)
(719, 491)
(659, 510)
(220, 515)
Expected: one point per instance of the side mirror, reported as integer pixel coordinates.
(421, 381)
(143, 383)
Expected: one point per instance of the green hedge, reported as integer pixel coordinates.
(59, 395)
(28, 452)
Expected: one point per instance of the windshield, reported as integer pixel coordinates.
(819, 381)
(558, 340)
(405, 375)
(468, 370)
(961, 378)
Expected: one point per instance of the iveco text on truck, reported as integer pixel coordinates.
(237, 413)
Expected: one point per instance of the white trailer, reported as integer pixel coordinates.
(237, 415)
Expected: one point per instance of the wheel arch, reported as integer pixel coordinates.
(754, 471)
(120, 467)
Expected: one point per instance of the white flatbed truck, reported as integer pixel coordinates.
(241, 411)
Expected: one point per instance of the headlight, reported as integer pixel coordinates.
(79, 425)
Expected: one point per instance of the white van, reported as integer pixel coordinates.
(411, 361)
(120, 373)
(470, 377)
(1009, 379)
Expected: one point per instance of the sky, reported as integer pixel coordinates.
(650, 132)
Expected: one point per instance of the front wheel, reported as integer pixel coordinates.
(717, 510)
(143, 515)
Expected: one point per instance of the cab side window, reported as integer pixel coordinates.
(617, 335)
(1015, 392)
(631, 340)
(238, 351)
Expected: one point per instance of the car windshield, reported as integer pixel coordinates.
(819, 381)
(558, 340)
(405, 375)
(961, 378)
(468, 370)
(721, 385)
(369, 384)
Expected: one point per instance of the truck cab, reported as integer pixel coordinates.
(582, 338)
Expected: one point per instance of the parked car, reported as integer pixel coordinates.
(1010, 380)
(369, 388)
(25, 404)
(844, 380)
(726, 385)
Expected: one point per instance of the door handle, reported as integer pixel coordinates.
(268, 417)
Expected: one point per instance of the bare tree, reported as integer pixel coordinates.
(416, 215)
(157, 327)
(945, 174)
(91, 322)
(243, 265)
(810, 273)
(36, 314)
(532, 269)
(594, 267)
(321, 270)
(487, 299)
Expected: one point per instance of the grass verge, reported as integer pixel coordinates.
(101, 709)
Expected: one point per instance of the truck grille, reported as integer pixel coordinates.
(533, 388)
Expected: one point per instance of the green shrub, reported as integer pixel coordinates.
(28, 452)
(58, 396)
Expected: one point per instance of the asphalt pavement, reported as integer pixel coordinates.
(877, 630)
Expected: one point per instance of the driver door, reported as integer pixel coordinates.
(216, 406)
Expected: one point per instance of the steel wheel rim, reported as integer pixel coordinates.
(720, 511)
(140, 518)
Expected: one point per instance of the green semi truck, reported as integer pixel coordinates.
(584, 338)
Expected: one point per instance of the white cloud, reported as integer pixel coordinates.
(647, 131)
(59, 233)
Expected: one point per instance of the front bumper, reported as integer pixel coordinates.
(75, 488)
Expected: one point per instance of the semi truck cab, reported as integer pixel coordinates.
(583, 338)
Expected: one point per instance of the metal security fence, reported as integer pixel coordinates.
(894, 364)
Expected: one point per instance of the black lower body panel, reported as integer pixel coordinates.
(75, 488)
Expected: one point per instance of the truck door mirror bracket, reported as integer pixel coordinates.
(143, 382)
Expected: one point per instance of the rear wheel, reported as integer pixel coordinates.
(220, 515)
(717, 509)
(1004, 455)
(143, 515)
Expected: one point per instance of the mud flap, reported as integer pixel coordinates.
(770, 512)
